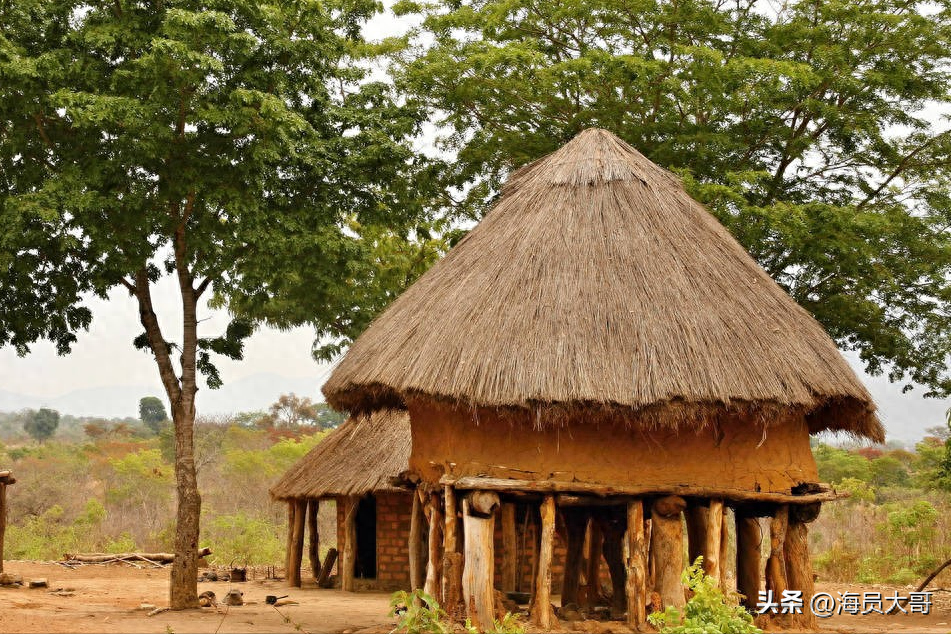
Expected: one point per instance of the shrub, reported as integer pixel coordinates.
(418, 612)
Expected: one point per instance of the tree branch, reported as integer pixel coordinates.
(154, 333)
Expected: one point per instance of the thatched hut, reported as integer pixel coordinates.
(601, 346)
(354, 466)
(6, 479)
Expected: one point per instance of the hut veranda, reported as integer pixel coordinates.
(600, 352)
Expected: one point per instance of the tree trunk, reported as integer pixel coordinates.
(433, 584)
(183, 588)
(748, 538)
(541, 605)
(509, 547)
(479, 569)
(636, 550)
(313, 537)
(667, 550)
(576, 523)
(415, 541)
(349, 544)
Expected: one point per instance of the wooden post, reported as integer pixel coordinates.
(576, 523)
(349, 543)
(541, 607)
(296, 555)
(712, 535)
(415, 532)
(636, 559)
(798, 564)
(591, 593)
(452, 559)
(289, 546)
(433, 584)
(479, 570)
(323, 580)
(667, 550)
(725, 550)
(3, 519)
(748, 537)
(613, 549)
(776, 564)
(695, 517)
(313, 536)
(509, 547)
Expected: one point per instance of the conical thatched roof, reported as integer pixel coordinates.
(358, 457)
(598, 282)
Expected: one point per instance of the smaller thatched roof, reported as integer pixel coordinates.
(357, 458)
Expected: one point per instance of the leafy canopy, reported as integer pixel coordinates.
(799, 124)
(152, 413)
(41, 424)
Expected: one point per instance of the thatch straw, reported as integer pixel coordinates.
(357, 458)
(597, 280)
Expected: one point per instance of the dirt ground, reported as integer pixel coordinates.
(108, 599)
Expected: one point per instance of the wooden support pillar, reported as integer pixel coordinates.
(613, 549)
(594, 544)
(3, 519)
(313, 538)
(667, 550)
(541, 603)
(776, 564)
(415, 542)
(349, 544)
(748, 538)
(695, 516)
(478, 520)
(296, 552)
(576, 523)
(636, 561)
(712, 534)
(509, 547)
(433, 584)
(289, 545)
(798, 563)
(725, 562)
(452, 558)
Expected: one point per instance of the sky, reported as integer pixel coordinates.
(104, 365)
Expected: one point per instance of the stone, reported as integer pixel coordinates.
(39, 583)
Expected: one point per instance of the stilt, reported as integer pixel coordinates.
(591, 593)
(712, 534)
(296, 554)
(798, 564)
(695, 516)
(452, 558)
(576, 522)
(349, 544)
(725, 562)
(667, 550)
(613, 549)
(289, 547)
(3, 519)
(776, 564)
(433, 584)
(636, 551)
(313, 537)
(748, 537)
(415, 541)
(509, 547)
(479, 570)
(541, 607)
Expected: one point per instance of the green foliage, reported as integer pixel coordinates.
(835, 465)
(51, 534)
(41, 424)
(417, 613)
(858, 490)
(800, 127)
(508, 624)
(152, 413)
(244, 539)
(707, 612)
(913, 524)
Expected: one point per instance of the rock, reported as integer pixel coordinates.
(234, 597)
(147, 606)
(39, 583)
(207, 599)
(10, 579)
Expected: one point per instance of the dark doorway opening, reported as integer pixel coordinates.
(365, 563)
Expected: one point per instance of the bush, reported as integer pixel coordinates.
(708, 611)
(417, 612)
(244, 539)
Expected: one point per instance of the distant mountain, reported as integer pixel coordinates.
(255, 392)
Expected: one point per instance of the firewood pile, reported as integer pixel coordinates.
(136, 560)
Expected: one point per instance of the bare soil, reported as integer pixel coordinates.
(108, 599)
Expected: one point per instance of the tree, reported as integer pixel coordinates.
(41, 424)
(235, 145)
(152, 413)
(292, 411)
(799, 124)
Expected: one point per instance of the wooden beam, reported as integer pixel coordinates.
(748, 538)
(297, 544)
(636, 561)
(479, 569)
(323, 580)
(452, 559)
(433, 585)
(349, 543)
(541, 607)
(313, 536)
(599, 490)
(576, 523)
(667, 550)
(799, 568)
(509, 547)
(415, 540)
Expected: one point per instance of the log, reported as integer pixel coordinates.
(101, 558)
(667, 550)
(576, 523)
(748, 537)
(323, 580)
(509, 547)
(541, 606)
(289, 547)
(433, 585)
(483, 483)
(483, 503)
(776, 564)
(415, 541)
(696, 521)
(594, 545)
(613, 549)
(3, 518)
(799, 570)
(313, 537)
(712, 535)
(349, 544)
(636, 553)
(452, 559)
(725, 551)
(479, 569)
(297, 543)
